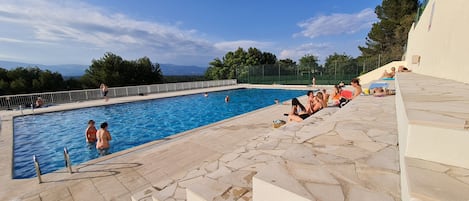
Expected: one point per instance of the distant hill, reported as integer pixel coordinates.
(74, 70)
(69, 70)
(171, 69)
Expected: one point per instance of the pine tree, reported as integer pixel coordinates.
(388, 36)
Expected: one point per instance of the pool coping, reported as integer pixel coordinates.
(6, 132)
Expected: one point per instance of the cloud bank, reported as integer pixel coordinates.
(245, 44)
(319, 50)
(41, 28)
(336, 24)
(62, 32)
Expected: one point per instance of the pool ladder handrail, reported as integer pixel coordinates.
(68, 163)
(38, 168)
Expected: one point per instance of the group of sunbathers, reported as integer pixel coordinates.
(391, 74)
(339, 97)
(299, 112)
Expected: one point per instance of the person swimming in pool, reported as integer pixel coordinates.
(104, 137)
(90, 134)
(298, 112)
(39, 102)
(227, 99)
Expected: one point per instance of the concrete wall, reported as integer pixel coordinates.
(403, 131)
(441, 40)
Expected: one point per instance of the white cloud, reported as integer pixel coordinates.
(336, 24)
(245, 44)
(319, 50)
(10, 40)
(73, 27)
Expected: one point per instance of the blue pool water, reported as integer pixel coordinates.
(130, 125)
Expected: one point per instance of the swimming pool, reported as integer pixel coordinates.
(130, 125)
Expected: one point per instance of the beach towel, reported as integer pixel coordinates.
(346, 94)
(378, 85)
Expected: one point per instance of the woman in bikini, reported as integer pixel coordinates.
(298, 112)
(336, 95)
(90, 134)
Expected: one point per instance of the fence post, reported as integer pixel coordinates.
(38, 169)
(70, 96)
(8, 100)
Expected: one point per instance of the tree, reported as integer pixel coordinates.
(288, 65)
(308, 63)
(236, 64)
(214, 71)
(115, 71)
(28, 80)
(340, 64)
(388, 36)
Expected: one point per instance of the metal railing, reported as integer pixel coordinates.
(27, 100)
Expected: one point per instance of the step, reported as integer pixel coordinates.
(433, 118)
(430, 181)
(273, 183)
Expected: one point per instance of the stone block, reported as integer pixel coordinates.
(274, 183)
(206, 190)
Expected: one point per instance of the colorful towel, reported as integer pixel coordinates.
(378, 85)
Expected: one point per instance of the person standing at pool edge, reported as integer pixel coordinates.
(90, 133)
(104, 137)
(104, 91)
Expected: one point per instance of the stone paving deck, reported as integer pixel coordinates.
(349, 154)
(117, 176)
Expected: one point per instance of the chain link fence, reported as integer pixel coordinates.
(332, 73)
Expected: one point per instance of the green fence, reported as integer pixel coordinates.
(293, 74)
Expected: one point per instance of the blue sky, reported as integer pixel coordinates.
(179, 31)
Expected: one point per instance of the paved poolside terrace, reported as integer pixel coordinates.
(348, 154)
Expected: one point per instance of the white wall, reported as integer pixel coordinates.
(443, 47)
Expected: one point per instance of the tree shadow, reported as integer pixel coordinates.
(92, 171)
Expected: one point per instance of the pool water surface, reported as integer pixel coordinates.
(130, 125)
